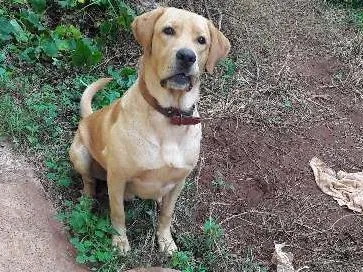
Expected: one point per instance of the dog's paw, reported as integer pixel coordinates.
(166, 243)
(122, 243)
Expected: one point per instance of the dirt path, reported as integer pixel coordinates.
(30, 238)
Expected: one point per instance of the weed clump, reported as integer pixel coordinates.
(90, 234)
(207, 251)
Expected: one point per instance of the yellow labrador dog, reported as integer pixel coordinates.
(147, 143)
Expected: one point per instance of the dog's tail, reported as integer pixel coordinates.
(91, 90)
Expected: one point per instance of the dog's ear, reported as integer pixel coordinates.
(219, 47)
(143, 27)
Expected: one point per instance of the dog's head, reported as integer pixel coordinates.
(179, 45)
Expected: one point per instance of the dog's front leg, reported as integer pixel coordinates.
(116, 189)
(165, 240)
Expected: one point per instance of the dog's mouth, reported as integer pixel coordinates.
(178, 82)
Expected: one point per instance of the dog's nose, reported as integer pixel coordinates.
(186, 57)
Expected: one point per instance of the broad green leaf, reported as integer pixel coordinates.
(67, 3)
(2, 57)
(103, 256)
(29, 54)
(126, 15)
(49, 47)
(18, 32)
(124, 77)
(3, 73)
(63, 45)
(78, 221)
(85, 53)
(21, 2)
(127, 71)
(32, 18)
(38, 5)
(6, 29)
(68, 31)
(108, 28)
(102, 225)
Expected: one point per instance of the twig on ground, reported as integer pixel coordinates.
(197, 177)
(220, 20)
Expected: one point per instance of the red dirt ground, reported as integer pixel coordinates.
(274, 196)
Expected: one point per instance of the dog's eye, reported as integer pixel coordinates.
(201, 40)
(169, 31)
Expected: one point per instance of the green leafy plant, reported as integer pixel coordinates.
(207, 252)
(86, 53)
(120, 15)
(38, 5)
(219, 182)
(185, 261)
(59, 171)
(6, 29)
(125, 15)
(34, 40)
(229, 67)
(3, 69)
(123, 79)
(32, 19)
(91, 234)
(10, 29)
(68, 32)
(69, 3)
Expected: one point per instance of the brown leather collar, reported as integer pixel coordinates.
(176, 116)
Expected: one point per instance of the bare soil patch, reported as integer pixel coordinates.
(273, 197)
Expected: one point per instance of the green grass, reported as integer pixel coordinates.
(220, 183)
(43, 71)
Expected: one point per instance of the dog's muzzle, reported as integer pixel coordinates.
(181, 82)
(182, 79)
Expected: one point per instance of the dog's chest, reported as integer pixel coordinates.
(176, 155)
(172, 154)
(175, 148)
(163, 165)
